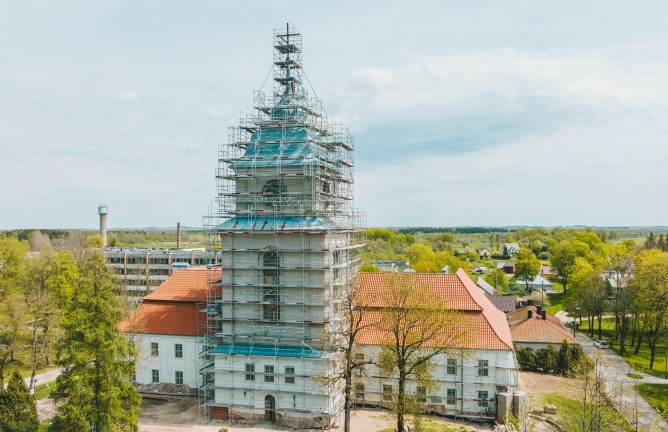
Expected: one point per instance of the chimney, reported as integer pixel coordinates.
(102, 211)
(530, 313)
(178, 235)
(539, 309)
(544, 315)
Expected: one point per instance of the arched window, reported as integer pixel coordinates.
(271, 308)
(274, 187)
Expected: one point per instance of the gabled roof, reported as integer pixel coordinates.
(511, 246)
(506, 303)
(166, 318)
(482, 283)
(188, 284)
(173, 308)
(536, 329)
(460, 293)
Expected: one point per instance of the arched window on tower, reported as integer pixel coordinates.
(270, 299)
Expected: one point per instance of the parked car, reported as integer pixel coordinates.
(601, 344)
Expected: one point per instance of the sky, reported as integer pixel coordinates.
(480, 113)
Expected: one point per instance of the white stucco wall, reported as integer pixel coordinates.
(166, 362)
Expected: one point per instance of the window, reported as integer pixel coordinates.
(452, 366)
(178, 378)
(271, 309)
(274, 187)
(435, 400)
(421, 394)
(482, 398)
(155, 376)
(268, 373)
(178, 350)
(452, 397)
(359, 391)
(325, 187)
(483, 367)
(387, 392)
(133, 378)
(289, 375)
(250, 371)
(154, 349)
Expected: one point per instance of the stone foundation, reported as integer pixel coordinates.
(166, 388)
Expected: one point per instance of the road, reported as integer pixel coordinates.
(46, 377)
(619, 387)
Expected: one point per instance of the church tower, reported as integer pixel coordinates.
(289, 242)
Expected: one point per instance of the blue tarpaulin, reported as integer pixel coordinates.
(243, 348)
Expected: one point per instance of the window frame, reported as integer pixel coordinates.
(451, 396)
(269, 376)
(178, 350)
(289, 376)
(250, 372)
(155, 376)
(155, 349)
(483, 368)
(483, 400)
(178, 376)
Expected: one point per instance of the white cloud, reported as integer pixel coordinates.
(129, 96)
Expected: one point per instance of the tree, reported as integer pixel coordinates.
(527, 266)
(661, 243)
(98, 361)
(12, 314)
(355, 319)
(585, 245)
(497, 278)
(564, 359)
(589, 292)
(369, 268)
(650, 243)
(18, 411)
(416, 326)
(651, 283)
(619, 267)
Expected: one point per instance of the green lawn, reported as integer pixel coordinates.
(569, 414)
(657, 395)
(555, 302)
(638, 361)
(429, 425)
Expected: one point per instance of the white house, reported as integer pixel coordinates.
(165, 328)
(510, 249)
(469, 378)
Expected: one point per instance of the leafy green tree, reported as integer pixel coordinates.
(589, 292)
(650, 243)
(527, 266)
(651, 284)
(584, 245)
(18, 411)
(497, 278)
(98, 361)
(564, 359)
(369, 267)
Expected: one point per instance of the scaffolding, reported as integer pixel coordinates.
(289, 238)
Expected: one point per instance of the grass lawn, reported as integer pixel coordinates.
(638, 361)
(429, 425)
(24, 370)
(556, 302)
(657, 395)
(569, 414)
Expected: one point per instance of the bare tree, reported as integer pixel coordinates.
(415, 326)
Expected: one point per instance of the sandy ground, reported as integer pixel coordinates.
(180, 414)
(537, 384)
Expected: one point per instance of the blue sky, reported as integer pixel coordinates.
(464, 113)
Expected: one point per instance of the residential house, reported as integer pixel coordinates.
(510, 249)
(532, 327)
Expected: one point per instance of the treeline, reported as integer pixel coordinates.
(62, 307)
(568, 361)
(456, 230)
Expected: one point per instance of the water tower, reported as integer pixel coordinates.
(102, 211)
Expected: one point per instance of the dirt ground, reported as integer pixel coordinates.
(537, 384)
(180, 414)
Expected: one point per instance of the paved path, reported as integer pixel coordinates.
(46, 377)
(619, 387)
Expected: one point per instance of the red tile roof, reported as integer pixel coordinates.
(189, 284)
(169, 318)
(490, 327)
(536, 329)
(173, 308)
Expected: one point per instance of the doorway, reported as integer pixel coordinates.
(270, 409)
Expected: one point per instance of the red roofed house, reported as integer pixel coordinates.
(165, 328)
(468, 379)
(534, 328)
